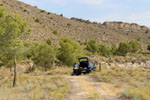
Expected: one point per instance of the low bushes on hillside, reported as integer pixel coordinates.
(37, 20)
(121, 50)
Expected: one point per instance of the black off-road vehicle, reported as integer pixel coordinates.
(85, 66)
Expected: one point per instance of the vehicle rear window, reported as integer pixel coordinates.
(90, 63)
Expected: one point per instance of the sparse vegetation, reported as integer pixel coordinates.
(134, 82)
(34, 88)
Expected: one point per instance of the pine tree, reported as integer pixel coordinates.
(13, 29)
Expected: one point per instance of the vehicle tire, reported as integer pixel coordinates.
(94, 69)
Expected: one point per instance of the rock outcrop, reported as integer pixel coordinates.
(145, 65)
(124, 26)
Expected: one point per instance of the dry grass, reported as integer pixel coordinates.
(139, 93)
(134, 83)
(61, 71)
(34, 88)
(90, 91)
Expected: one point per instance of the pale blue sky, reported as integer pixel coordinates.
(133, 11)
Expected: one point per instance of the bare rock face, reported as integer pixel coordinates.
(145, 65)
(124, 26)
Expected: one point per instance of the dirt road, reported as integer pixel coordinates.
(85, 88)
(75, 92)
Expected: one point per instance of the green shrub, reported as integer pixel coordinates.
(42, 11)
(141, 93)
(37, 20)
(147, 31)
(69, 51)
(45, 56)
(148, 47)
(55, 32)
(2, 11)
(103, 50)
(30, 49)
(92, 46)
(49, 42)
(114, 49)
(123, 48)
(25, 10)
(48, 13)
(125, 93)
(134, 46)
(31, 69)
(1, 4)
(68, 24)
(61, 15)
(35, 6)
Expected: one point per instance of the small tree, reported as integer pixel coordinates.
(45, 56)
(69, 51)
(114, 49)
(92, 46)
(134, 46)
(12, 30)
(103, 50)
(123, 49)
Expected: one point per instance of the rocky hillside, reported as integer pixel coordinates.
(49, 25)
(124, 26)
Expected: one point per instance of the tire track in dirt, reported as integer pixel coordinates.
(106, 92)
(85, 88)
(75, 91)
